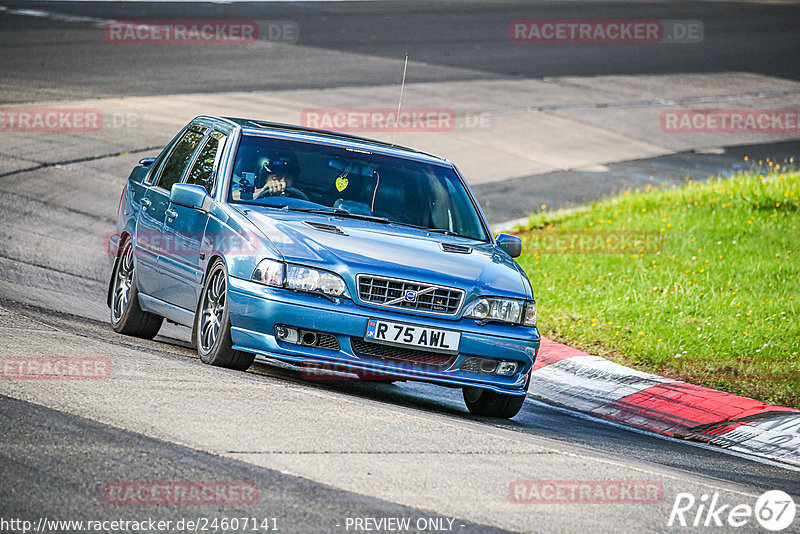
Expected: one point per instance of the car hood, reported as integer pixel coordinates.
(388, 250)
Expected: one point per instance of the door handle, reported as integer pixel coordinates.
(146, 203)
(171, 214)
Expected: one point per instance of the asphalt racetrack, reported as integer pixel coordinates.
(321, 454)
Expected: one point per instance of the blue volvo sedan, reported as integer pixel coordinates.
(326, 251)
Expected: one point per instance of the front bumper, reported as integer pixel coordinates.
(256, 309)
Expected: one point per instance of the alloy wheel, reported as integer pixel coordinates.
(213, 310)
(123, 282)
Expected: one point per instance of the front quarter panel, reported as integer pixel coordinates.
(232, 237)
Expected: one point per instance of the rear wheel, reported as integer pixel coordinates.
(212, 324)
(127, 317)
(492, 404)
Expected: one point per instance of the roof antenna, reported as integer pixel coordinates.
(400, 102)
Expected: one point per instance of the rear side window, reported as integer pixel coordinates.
(202, 172)
(176, 162)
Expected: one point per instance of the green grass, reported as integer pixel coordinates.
(717, 305)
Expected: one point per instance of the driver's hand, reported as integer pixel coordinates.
(276, 186)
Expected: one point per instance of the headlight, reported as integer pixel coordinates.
(308, 279)
(299, 278)
(504, 310)
(302, 278)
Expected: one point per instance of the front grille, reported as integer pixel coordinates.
(400, 354)
(409, 295)
(327, 341)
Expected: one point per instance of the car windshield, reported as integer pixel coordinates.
(353, 182)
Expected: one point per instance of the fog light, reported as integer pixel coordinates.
(506, 368)
(289, 335)
(488, 366)
(308, 338)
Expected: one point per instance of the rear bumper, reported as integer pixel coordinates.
(256, 309)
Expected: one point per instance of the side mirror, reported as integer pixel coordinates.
(190, 195)
(511, 244)
(146, 162)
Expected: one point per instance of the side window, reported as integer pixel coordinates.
(151, 177)
(202, 172)
(176, 162)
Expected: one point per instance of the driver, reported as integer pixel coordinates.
(277, 173)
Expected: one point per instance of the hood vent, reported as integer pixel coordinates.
(323, 227)
(457, 249)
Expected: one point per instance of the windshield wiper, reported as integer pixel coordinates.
(444, 231)
(341, 212)
(338, 212)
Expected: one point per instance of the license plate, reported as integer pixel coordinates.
(420, 337)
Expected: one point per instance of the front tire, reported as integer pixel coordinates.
(212, 324)
(127, 317)
(488, 403)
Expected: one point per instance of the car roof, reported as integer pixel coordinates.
(301, 133)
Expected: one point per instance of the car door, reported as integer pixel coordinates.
(150, 242)
(182, 266)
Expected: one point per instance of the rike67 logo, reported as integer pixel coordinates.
(774, 511)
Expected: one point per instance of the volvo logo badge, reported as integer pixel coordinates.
(411, 296)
